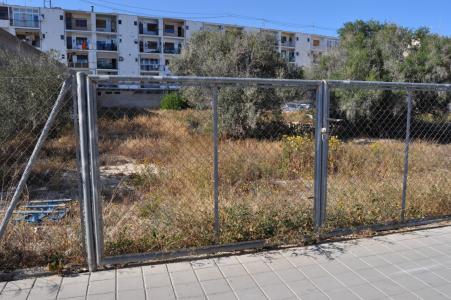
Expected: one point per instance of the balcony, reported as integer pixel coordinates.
(148, 28)
(24, 17)
(106, 46)
(106, 24)
(29, 37)
(24, 23)
(288, 44)
(174, 28)
(77, 43)
(106, 64)
(79, 65)
(150, 68)
(79, 22)
(172, 50)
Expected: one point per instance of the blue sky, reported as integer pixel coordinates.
(315, 16)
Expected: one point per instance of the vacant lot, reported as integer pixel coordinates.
(156, 169)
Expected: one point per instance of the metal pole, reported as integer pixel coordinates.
(94, 169)
(216, 164)
(324, 150)
(34, 156)
(318, 154)
(406, 157)
(85, 173)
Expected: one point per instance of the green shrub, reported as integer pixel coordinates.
(173, 101)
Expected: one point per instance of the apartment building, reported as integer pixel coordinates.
(109, 43)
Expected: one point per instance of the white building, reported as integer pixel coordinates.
(109, 43)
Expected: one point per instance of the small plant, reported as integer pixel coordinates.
(173, 101)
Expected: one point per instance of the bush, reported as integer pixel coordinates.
(173, 101)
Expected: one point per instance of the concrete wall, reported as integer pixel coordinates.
(128, 45)
(129, 99)
(53, 28)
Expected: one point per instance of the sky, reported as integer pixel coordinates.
(314, 16)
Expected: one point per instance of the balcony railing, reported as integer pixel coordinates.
(79, 65)
(154, 67)
(106, 46)
(71, 25)
(288, 44)
(79, 47)
(106, 65)
(24, 23)
(172, 51)
(153, 50)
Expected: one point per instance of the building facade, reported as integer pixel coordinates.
(109, 43)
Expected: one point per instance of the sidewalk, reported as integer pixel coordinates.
(414, 265)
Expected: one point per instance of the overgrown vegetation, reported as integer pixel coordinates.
(237, 54)
(173, 101)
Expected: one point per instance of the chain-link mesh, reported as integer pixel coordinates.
(45, 227)
(429, 181)
(157, 168)
(367, 152)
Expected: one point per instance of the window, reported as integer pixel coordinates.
(152, 27)
(81, 23)
(61, 17)
(169, 28)
(119, 22)
(25, 17)
(101, 23)
(62, 37)
(136, 23)
(152, 45)
(316, 43)
(4, 13)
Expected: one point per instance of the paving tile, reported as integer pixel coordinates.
(315, 296)
(409, 282)
(233, 270)
(242, 282)
(326, 283)
(2, 285)
(130, 283)
(291, 275)
(251, 294)
(389, 287)
(313, 271)
(371, 275)
(341, 294)
(129, 272)
(430, 293)
(303, 287)
(182, 277)
(188, 290)
(222, 296)
(375, 261)
(250, 258)
(405, 296)
(177, 267)
(136, 294)
(208, 273)
(431, 279)
(107, 296)
(256, 267)
(80, 278)
(103, 275)
(21, 294)
(43, 292)
(165, 292)
(228, 260)
(154, 269)
(72, 289)
(157, 280)
(19, 285)
(267, 278)
(355, 264)
(278, 292)
(368, 292)
(101, 287)
(279, 264)
(350, 279)
(50, 281)
(217, 286)
(203, 263)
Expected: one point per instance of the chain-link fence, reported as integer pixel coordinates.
(214, 164)
(44, 228)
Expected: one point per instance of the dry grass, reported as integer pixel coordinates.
(266, 186)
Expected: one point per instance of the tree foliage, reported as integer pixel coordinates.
(28, 88)
(237, 54)
(373, 51)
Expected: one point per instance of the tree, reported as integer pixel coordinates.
(237, 54)
(374, 51)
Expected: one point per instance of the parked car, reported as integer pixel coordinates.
(295, 106)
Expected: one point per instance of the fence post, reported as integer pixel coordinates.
(34, 156)
(406, 156)
(85, 173)
(324, 150)
(216, 164)
(318, 156)
(94, 169)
